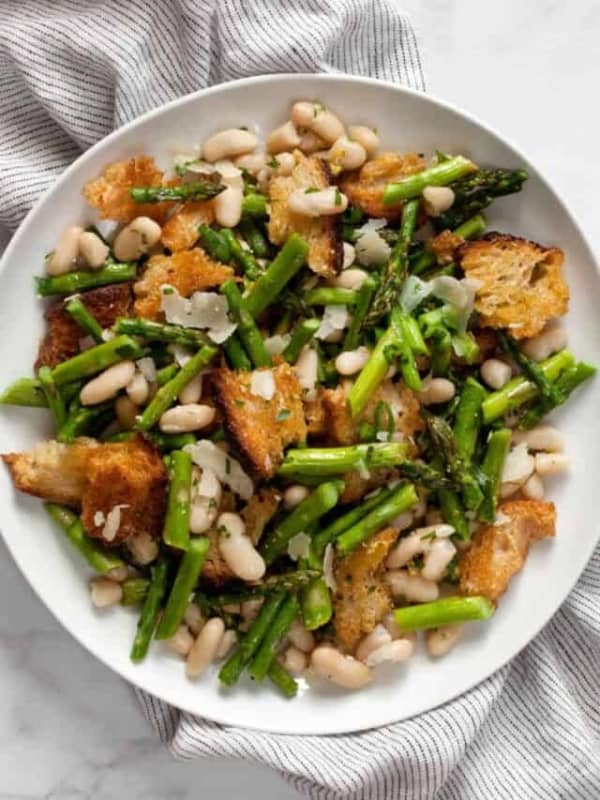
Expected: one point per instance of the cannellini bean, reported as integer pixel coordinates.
(204, 649)
(193, 618)
(294, 495)
(105, 593)
(237, 548)
(294, 661)
(326, 125)
(495, 372)
(143, 548)
(352, 278)
(138, 389)
(551, 463)
(414, 588)
(533, 488)
(181, 642)
(227, 644)
(126, 411)
(229, 143)
(352, 361)
(285, 164)
(118, 574)
(182, 419)
(64, 256)
(340, 669)
(192, 392)
(349, 255)
(283, 138)
(441, 640)
(107, 384)
(203, 513)
(392, 627)
(306, 368)
(544, 437)
(93, 249)
(347, 154)
(417, 542)
(303, 113)
(135, 239)
(252, 162)
(517, 468)
(300, 637)
(437, 390)
(440, 554)
(398, 651)
(550, 340)
(228, 206)
(437, 199)
(324, 202)
(378, 637)
(311, 144)
(366, 137)
(403, 521)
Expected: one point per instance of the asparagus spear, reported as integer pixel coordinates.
(403, 498)
(54, 398)
(468, 417)
(203, 188)
(301, 335)
(215, 243)
(566, 383)
(440, 174)
(244, 258)
(493, 462)
(446, 611)
(165, 374)
(77, 281)
(441, 351)
(83, 420)
(282, 679)
(187, 576)
(150, 610)
(316, 604)
(327, 296)
(85, 319)
(96, 359)
(268, 647)
(469, 229)
(247, 328)
(547, 391)
(285, 581)
(364, 297)
(103, 561)
(475, 192)
(236, 355)
(325, 461)
(255, 205)
(281, 270)
(24, 392)
(426, 474)
(453, 512)
(176, 531)
(445, 443)
(134, 591)
(160, 332)
(253, 235)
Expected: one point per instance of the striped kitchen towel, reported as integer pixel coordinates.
(70, 72)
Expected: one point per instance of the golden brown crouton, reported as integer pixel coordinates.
(128, 474)
(53, 471)
(364, 188)
(362, 598)
(340, 427)
(522, 286)
(215, 570)
(323, 234)
(314, 414)
(188, 271)
(444, 246)
(109, 193)
(62, 337)
(259, 511)
(260, 428)
(180, 232)
(499, 551)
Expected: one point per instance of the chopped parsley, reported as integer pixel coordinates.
(273, 163)
(338, 197)
(311, 190)
(283, 414)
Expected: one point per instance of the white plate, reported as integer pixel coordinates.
(406, 120)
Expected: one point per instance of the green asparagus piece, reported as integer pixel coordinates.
(255, 238)
(96, 359)
(83, 420)
(236, 355)
(470, 229)
(326, 461)
(103, 561)
(519, 390)
(168, 393)
(566, 383)
(160, 332)
(454, 513)
(165, 374)
(326, 296)
(440, 174)
(203, 188)
(316, 604)
(187, 576)
(171, 441)
(319, 502)
(301, 335)
(364, 298)
(466, 348)
(412, 334)
(445, 444)
(24, 392)
(244, 258)
(281, 270)
(150, 610)
(54, 398)
(272, 638)
(468, 417)
(247, 328)
(72, 282)
(215, 244)
(493, 462)
(134, 591)
(282, 679)
(447, 611)
(547, 391)
(441, 352)
(254, 205)
(85, 319)
(176, 531)
(477, 191)
(427, 475)
(284, 581)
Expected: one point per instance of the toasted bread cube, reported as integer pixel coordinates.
(180, 232)
(259, 511)
(356, 485)
(521, 283)
(323, 234)
(444, 246)
(364, 188)
(499, 551)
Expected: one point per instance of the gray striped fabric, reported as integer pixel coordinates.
(71, 71)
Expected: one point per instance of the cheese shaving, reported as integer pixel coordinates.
(335, 318)
(205, 310)
(113, 522)
(328, 568)
(227, 470)
(262, 384)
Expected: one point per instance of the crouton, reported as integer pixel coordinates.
(215, 570)
(499, 551)
(53, 471)
(323, 234)
(188, 271)
(260, 428)
(259, 511)
(61, 340)
(109, 193)
(521, 284)
(180, 232)
(341, 428)
(364, 187)
(128, 474)
(444, 246)
(362, 598)
(314, 414)
(356, 485)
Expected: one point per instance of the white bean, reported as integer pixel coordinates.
(324, 202)
(192, 392)
(228, 206)
(204, 649)
(203, 513)
(517, 468)
(392, 627)
(352, 278)
(349, 255)
(107, 384)
(352, 361)
(181, 642)
(126, 411)
(347, 154)
(105, 593)
(340, 669)
(310, 143)
(227, 644)
(414, 588)
(416, 543)
(283, 138)
(252, 163)
(397, 651)
(294, 661)
(118, 574)
(551, 463)
(182, 419)
(436, 390)
(303, 113)
(64, 256)
(378, 637)
(229, 143)
(441, 640)
(193, 618)
(285, 164)
(403, 521)
(533, 488)
(326, 125)
(237, 549)
(543, 437)
(300, 637)
(552, 339)
(138, 389)
(294, 495)
(495, 372)
(437, 199)
(135, 239)
(93, 249)
(365, 136)
(143, 548)
(440, 554)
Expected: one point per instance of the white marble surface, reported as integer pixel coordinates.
(69, 728)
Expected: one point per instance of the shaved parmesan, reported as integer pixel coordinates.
(99, 518)
(207, 455)
(414, 292)
(459, 294)
(299, 546)
(262, 384)
(335, 318)
(328, 568)
(181, 354)
(148, 368)
(371, 250)
(306, 368)
(518, 466)
(205, 310)
(275, 345)
(113, 522)
(372, 225)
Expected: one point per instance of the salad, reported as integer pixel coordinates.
(299, 394)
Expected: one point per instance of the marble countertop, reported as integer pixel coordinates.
(70, 729)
